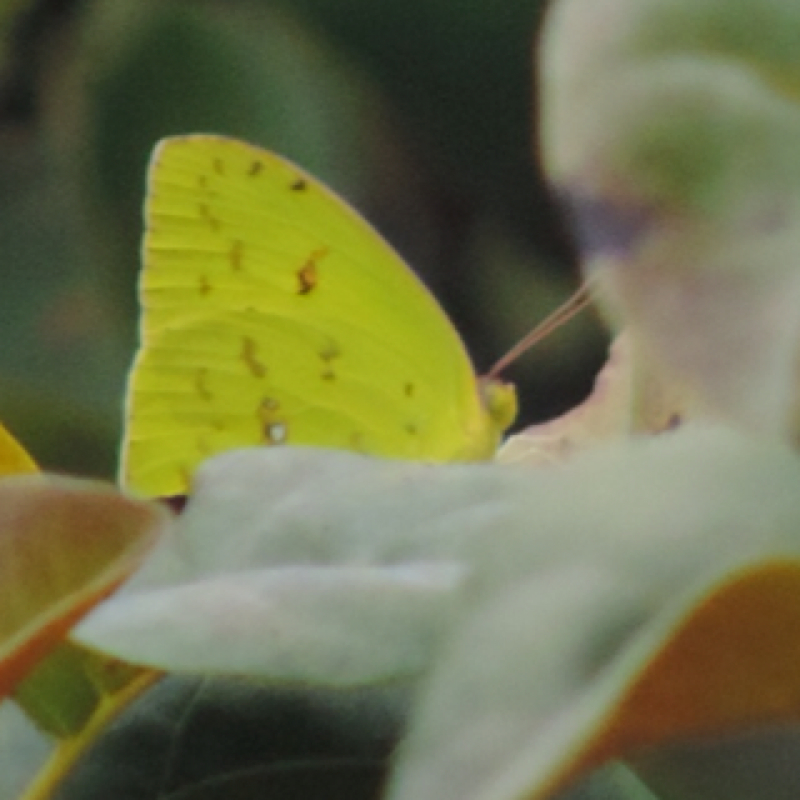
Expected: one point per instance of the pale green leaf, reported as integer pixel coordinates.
(671, 129)
(264, 527)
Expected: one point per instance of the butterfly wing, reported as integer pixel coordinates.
(272, 313)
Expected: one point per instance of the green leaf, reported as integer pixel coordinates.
(200, 738)
(64, 690)
(561, 613)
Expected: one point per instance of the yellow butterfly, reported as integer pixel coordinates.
(272, 313)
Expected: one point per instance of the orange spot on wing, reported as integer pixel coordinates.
(307, 278)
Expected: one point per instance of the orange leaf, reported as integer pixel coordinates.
(732, 663)
(64, 545)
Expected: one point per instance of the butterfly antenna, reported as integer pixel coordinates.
(565, 312)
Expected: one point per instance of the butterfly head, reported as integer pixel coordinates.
(500, 400)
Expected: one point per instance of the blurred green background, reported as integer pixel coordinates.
(419, 111)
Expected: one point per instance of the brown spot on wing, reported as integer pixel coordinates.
(249, 356)
(306, 278)
(408, 389)
(204, 285)
(299, 184)
(308, 275)
(255, 167)
(219, 166)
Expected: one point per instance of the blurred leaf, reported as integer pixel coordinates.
(616, 781)
(60, 371)
(73, 694)
(296, 624)
(557, 595)
(760, 762)
(331, 781)
(64, 546)
(204, 738)
(9, 14)
(676, 155)
(578, 675)
(565, 607)
(63, 689)
(730, 661)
